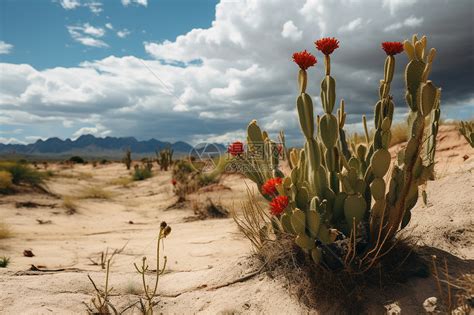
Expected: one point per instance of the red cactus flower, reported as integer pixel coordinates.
(327, 45)
(304, 59)
(392, 48)
(269, 188)
(278, 205)
(173, 182)
(236, 148)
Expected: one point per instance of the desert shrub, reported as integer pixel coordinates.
(104, 161)
(22, 173)
(399, 133)
(187, 179)
(77, 159)
(141, 173)
(340, 206)
(5, 181)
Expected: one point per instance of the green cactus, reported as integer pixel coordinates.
(164, 158)
(467, 130)
(339, 189)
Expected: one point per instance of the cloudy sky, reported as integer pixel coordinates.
(200, 70)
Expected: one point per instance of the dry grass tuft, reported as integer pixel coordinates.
(70, 204)
(340, 291)
(121, 181)
(5, 231)
(95, 192)
(399, 133)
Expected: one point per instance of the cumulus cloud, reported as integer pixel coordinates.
(109, 26)
(5, 48)
(291, 31)
(87, 35)
(209, 83)
(138, 2)
(98, 130)
(69, 4)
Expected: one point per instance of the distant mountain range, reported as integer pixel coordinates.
(88, 145)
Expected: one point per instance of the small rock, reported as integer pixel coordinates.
(393, 309)
(28, 253)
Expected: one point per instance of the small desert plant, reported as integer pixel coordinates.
(141, 173)
(209, 210)
(164, 158)
(151, 292)
(5, 231)
(336, 202)
(70, 204)
(77, 160)
(95, 192)
(467, 130)
(4, 261)
(106, 256)
(127, 159)
(100, 303)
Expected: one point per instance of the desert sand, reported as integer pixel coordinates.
(205, 257)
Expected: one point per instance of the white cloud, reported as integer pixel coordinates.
(5, 48)
(123, 33)
(351, 26)
(411, 22)
(138, 2)
(291, 31)
(94, 6)
(87, 35)
(11, 141)
(109, 26)
(98, 130)
(69, 4)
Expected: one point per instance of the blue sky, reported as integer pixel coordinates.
(38, 28)
(200, 70)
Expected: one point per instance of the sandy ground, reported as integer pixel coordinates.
(205, 257)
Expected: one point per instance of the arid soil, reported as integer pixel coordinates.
(205, 257)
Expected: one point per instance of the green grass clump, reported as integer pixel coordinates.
(4, 261)
(141, 173)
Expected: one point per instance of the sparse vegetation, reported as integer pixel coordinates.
(122, 181)
(95, 192)
(4, 261)
(16, 173)
(69, 203)
(141, 173)
(77, 160)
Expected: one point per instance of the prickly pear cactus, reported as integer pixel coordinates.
(467, 130)
(352, 196)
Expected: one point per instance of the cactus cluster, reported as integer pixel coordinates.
(127, 159)
(467, 130)
(164, 158)
(345, 204)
